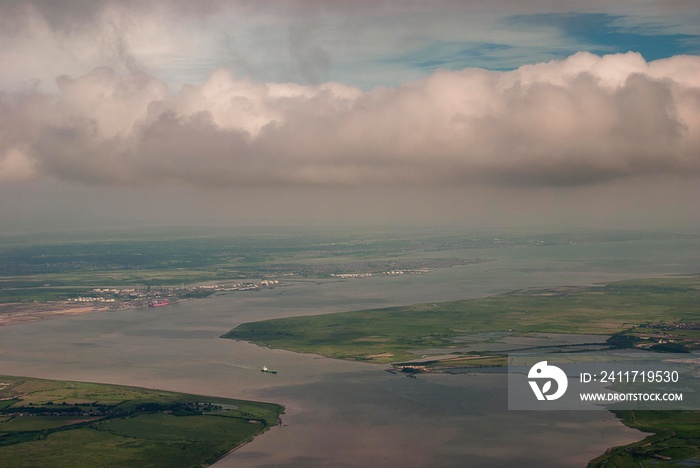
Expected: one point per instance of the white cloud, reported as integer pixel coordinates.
(579, 121)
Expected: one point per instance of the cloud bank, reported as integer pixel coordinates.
(579, 121)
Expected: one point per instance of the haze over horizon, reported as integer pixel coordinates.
(124, 114)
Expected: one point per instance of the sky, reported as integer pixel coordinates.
(121, 113)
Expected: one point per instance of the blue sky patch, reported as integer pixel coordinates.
(602, 33)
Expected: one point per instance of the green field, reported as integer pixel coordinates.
(58, 423)
(390, 334)
(675, 441)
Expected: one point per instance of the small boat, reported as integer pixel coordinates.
(269, 371)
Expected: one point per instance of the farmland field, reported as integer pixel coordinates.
(57, 423)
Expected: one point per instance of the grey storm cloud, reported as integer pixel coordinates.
(579, 121)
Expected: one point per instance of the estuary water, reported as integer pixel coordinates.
(343, 413)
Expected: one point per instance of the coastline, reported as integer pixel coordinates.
(15, 313)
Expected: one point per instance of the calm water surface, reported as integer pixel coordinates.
(343, 413)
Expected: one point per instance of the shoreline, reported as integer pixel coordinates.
(16, 313)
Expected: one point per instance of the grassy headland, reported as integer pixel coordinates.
(62, 424)
(628, 308)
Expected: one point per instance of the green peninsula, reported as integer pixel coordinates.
(636, 313)
(65, 424)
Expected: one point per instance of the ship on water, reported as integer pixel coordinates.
(269, 371)
(159, 303)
